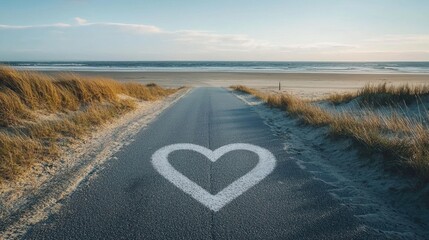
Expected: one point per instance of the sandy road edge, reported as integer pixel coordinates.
(78, 164)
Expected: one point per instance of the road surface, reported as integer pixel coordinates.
(130, 199)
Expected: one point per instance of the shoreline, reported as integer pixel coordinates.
(223, 71)
(263, 67)
(229, 72)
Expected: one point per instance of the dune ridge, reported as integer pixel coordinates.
(39, 113)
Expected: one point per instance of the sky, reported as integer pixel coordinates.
(235, 30)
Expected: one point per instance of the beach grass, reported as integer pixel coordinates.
(403, 141)
(38, 113)
(377, 95)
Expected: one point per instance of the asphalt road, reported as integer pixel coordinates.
(129, 199)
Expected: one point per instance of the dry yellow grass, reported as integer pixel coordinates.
(383, 94)
(258, 94)
(403, 141)
(17, 152)
(338, 98)
(309, 113)
(78, 103)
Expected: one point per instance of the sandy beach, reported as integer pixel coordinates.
(308, 85)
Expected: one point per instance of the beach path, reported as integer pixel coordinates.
(138, 195)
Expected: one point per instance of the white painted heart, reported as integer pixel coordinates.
(265, 166)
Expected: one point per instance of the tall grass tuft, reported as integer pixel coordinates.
(376, 95)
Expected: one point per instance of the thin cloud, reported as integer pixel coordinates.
(55, 25)
(323, 45)
(401, 39)
(136, 28)
(80, 21)
(238, 42)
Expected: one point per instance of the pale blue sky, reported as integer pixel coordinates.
(328, 30)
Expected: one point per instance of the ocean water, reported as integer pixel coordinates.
(227, 66)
